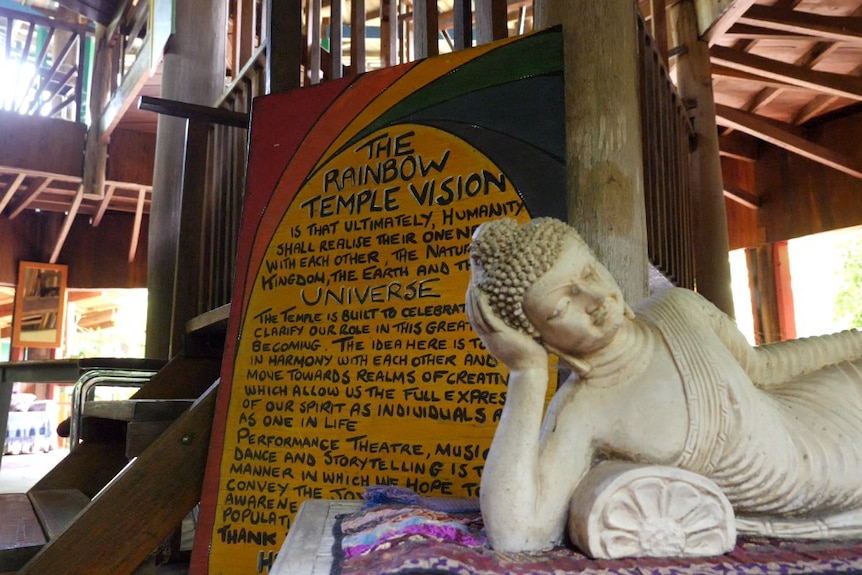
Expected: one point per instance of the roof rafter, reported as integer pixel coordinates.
(835, 28)
(727, 19)
(783, 137)
(823, 82)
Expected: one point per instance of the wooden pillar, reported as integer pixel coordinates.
(284, 49)
(193, 72)
(771, 294)
(96, 146)
(694, 80)
(603, 133)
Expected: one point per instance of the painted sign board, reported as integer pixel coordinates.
(350, 360)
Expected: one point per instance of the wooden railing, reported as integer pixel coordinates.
(225, 185)
(667, 135)
(47, 63)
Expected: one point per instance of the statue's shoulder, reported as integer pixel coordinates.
(670, 297)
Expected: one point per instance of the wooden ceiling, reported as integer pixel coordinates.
(778, 67)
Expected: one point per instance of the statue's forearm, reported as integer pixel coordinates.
(782, 361)
(776, 363)
(526, 481)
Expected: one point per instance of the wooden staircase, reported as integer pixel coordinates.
(125, 488)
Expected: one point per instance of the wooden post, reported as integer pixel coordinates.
(284, 38)
(193, 72)
(357, 36)
(694, 80)
(463, 24)
(336, 37)
(771, 295)
(425, 28)
(388, 32)
(603, 134)
(96, 148)
(491, 21)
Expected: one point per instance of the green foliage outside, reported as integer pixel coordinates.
(848, 301)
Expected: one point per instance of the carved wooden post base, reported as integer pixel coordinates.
(628, 510)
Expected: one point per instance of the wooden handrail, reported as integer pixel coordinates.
(196, 112)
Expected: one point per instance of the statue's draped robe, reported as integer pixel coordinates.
(787, 455)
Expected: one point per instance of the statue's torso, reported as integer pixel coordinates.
(792, 449)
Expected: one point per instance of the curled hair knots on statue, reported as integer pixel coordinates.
(507, 258)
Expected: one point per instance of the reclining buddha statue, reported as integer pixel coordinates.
(671, 383)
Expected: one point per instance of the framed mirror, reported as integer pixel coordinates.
(40, 305)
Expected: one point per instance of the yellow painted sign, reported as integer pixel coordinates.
(353, 362)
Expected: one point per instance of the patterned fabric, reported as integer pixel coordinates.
(399, 539)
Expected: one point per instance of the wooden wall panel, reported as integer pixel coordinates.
(131, 156)
(42, 144)
(743, 228)
(97, 257)
(801, 197)
(27, 237)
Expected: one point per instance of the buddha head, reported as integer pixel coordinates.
(542, 279)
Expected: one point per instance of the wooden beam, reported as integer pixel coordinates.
(10, 191)
(42, 185)
(726, 19)
(836, 28)
(746, 32)
(739, 147)
(720, 72)
(823, 82)
(126, 94)
(742, 197)
(67, 224)
(782, 137)
(136, 228)
(103, 205)
(813, 108)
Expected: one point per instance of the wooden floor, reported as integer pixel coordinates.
(18, 473)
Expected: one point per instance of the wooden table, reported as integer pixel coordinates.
(307, 550)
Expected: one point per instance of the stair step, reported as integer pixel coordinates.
(140, 434)
(137, 409)
(56, 508)
(21, 536)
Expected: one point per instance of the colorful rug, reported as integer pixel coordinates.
(413, 536)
